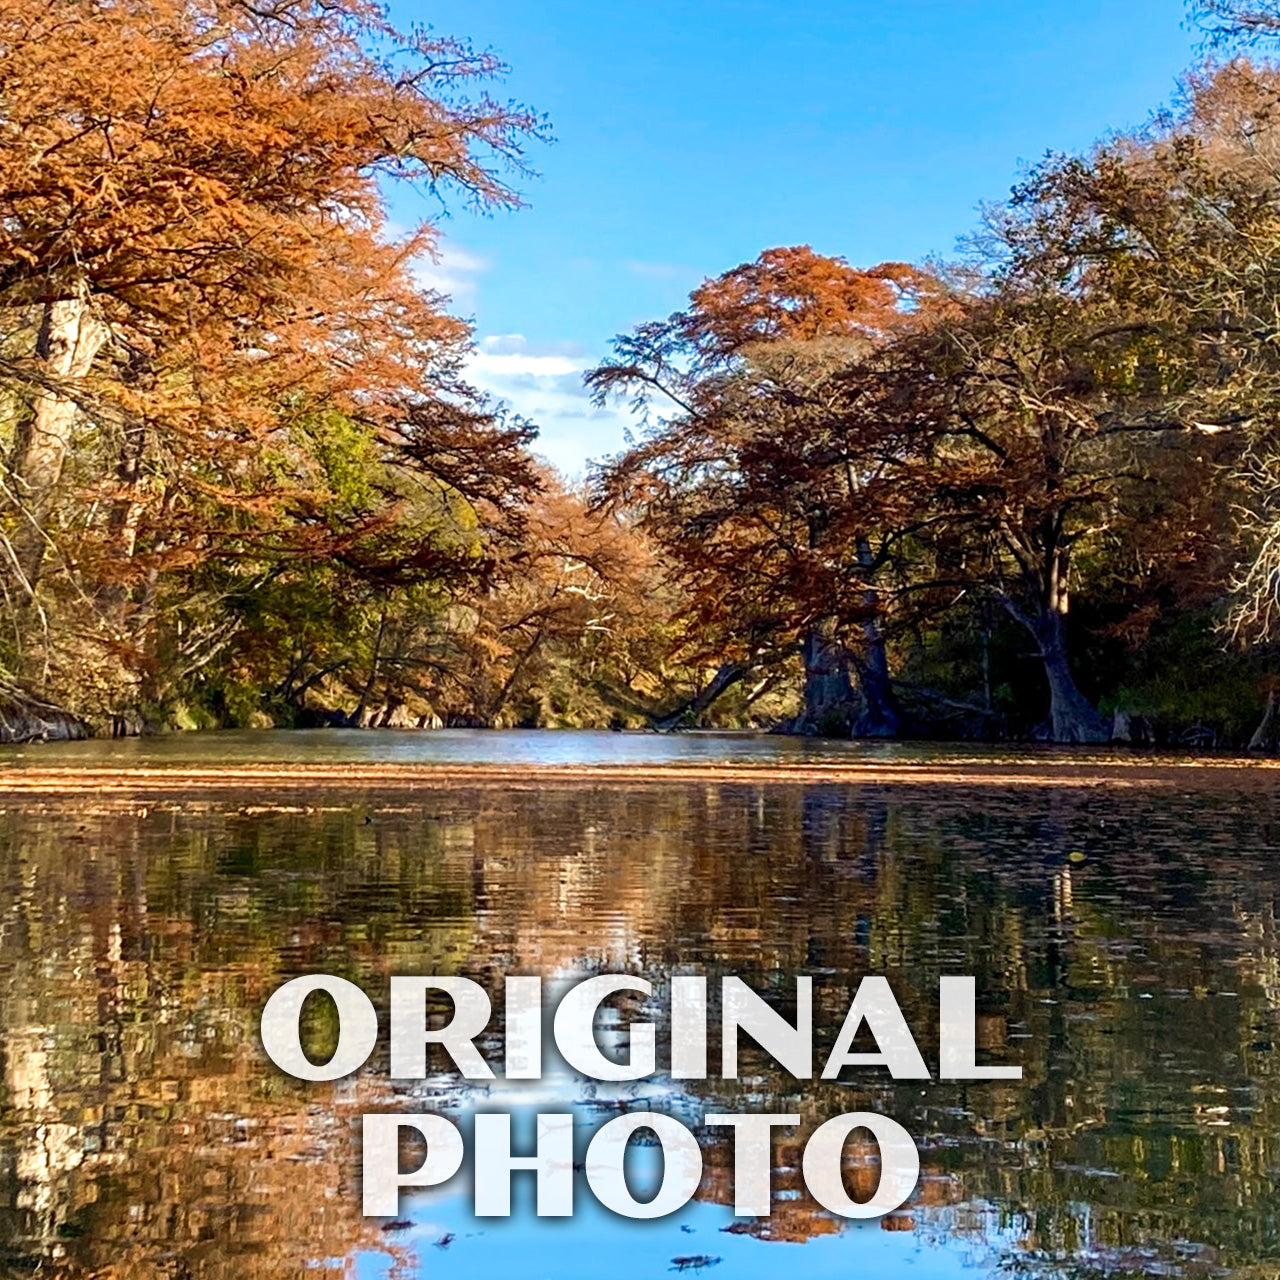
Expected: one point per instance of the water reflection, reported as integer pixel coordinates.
(1125, 946)
(515, 747)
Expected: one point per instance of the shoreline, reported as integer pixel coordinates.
(329, 777)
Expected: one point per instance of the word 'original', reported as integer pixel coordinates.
(573, 1028)
(414, 1031)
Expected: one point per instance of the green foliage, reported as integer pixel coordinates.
(1188, 684)
(344, 456)
(1009, 498)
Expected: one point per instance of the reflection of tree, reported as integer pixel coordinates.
(140, 1133)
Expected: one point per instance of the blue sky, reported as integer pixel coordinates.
(691, 136)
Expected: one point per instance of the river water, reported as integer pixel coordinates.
(1123, 938)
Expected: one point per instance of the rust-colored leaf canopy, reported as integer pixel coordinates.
(777, 439)
(206, 177)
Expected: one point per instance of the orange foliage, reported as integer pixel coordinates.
(193, 224)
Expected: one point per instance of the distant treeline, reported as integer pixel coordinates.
(1028, 493)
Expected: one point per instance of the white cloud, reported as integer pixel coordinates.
(507, 357)
(656, 270)
(543, 382)
(454, 271)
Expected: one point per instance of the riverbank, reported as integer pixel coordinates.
(1180, 775)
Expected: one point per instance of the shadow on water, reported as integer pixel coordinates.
(1125, 947)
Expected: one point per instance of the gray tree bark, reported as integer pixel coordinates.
(879, 717)
(687, 712)
(1073, 717)
(1267, 735)
(70, 337)
(828, 689)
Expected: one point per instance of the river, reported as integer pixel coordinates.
(1122, 929)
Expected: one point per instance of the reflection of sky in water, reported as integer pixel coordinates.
(502, 746)
(595, 1244)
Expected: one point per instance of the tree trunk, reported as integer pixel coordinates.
(879, 717)
(26, 718)
(1073, 717)
(126, 510)
(359, 717)
(689, 711)
(1266, 735)
(828, 691)
(517, 670)
(70, 338)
